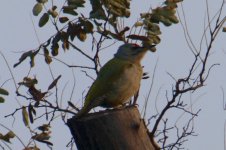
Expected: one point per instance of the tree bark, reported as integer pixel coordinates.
(117, 129)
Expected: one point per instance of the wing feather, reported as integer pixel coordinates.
(108, 74)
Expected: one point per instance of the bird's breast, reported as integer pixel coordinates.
(125, 86)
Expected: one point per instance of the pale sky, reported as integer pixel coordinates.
(17, 35)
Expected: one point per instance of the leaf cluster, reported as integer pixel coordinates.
(44, 135)
(29, 112)
(70, 9)
(103, 12)
(165, 14)
(9, 135)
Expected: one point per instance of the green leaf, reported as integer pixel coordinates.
(97, 10)
(88, 27)
(65, 45)
(69, 10)
(63, 19)
(2, 100)
(118, 8)
(156, 40)
(173, 19)
(25, 116)
(3, 91)
(37, 9)
(43, 20)
(54, 83)
(32, 61)
(55, 49)
(28, 82)
(7, 137)
(42, 136)
(30, 113)
(23, 57)
(53, 13)
(82, 36)
(57, 38)
(10, 134)
(76, 3)
(73, 30)
(48, 59)
(44, 127)
(152, 28)
(172, 2)
(138, 24)
(166, 21)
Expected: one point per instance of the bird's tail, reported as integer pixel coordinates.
(88, 106)
(82, 112)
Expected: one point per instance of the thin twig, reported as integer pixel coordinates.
(11, 73)
(150, 89)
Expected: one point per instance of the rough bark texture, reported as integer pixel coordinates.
(118, 129)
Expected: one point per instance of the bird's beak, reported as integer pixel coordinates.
(146, 48)
(149, 47)
(139, 49)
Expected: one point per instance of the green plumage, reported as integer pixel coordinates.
(106, 80)
(118, 80)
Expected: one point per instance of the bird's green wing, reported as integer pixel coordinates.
(108, 74)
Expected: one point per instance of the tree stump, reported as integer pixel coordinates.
(117, 129)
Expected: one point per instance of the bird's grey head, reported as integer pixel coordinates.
(132, 52)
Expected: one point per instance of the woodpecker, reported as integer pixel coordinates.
(118, 80)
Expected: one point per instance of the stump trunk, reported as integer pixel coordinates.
(118, 129)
